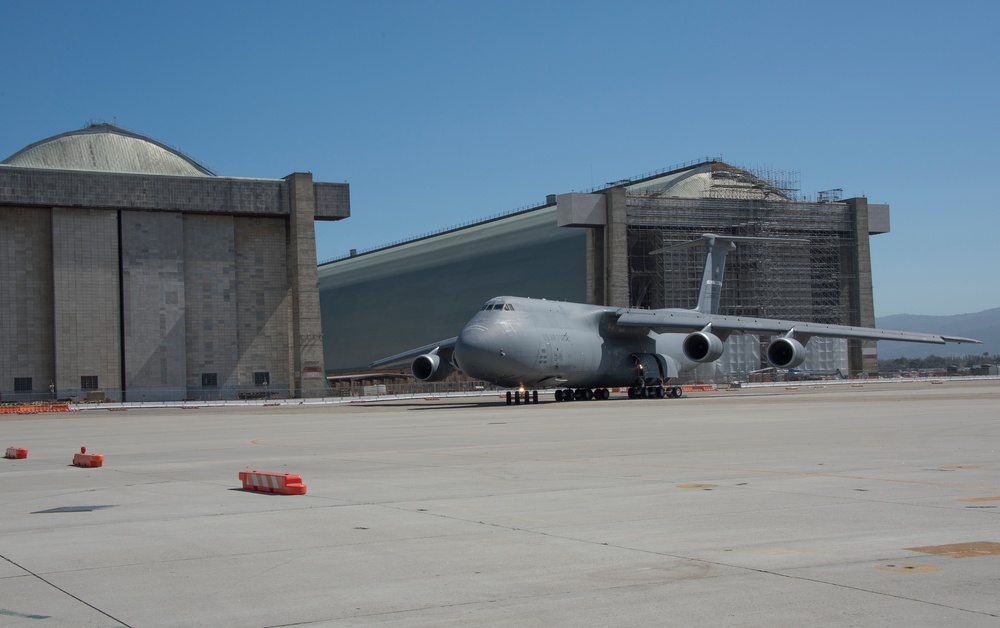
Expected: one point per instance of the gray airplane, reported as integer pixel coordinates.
(583, 350)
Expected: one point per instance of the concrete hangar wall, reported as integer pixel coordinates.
(129, 271)
(595, 248)
(383, 302)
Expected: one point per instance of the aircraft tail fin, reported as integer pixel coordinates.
(716, 249)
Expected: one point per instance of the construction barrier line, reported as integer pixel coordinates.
(34, 408)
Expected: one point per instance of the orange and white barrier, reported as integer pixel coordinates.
(34, 408)
(16, 453)
(83, 459)
(264, 482)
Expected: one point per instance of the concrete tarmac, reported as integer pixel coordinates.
(834, 506)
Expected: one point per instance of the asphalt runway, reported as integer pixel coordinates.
(836, 506)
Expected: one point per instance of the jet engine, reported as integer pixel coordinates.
(701, 346)
(430, 368)
(786, 353)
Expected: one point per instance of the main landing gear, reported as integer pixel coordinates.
(515, 397)
(582, 394)
(654, 392)
(586, 394)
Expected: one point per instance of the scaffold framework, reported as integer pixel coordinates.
(806, 279)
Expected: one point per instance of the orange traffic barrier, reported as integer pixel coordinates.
(34, 408)
(16, 453)
(83, 459)
(264, 482)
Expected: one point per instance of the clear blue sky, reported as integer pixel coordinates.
(439, 113)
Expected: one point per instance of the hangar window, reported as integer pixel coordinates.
(261, 378)
(88, 382)
(22, 384)
(209, 380)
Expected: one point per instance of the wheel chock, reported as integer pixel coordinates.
(83, 459)
(280, 483)
(16, 453)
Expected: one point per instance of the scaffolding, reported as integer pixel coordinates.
(810, 279)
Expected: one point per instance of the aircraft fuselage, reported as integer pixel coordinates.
(521, 342)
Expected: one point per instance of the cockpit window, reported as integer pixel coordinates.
(497, 306)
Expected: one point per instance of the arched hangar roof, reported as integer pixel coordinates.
(106, 148)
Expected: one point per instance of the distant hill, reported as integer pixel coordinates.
(984, 326)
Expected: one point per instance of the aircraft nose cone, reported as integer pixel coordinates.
(478, 350)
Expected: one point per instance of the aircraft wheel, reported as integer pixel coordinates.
(559, 394)
(605, 394)
(534, 396)
(509, 398)
(631, 392)
(659, 392)
(567, 395)
(588, 394)
(678, 391)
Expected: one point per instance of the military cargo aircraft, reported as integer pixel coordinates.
(583, 350)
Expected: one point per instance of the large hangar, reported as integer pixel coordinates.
(129, 271)
(595, 247)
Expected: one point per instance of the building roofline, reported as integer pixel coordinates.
(103, 127)
(524, 209)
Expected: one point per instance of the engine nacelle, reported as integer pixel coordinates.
(430, 368)
(701, 346)
(786, 353)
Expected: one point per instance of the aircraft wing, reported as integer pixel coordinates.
(442, 348)
(690, 321)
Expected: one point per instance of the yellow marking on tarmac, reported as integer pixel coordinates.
(697, 485)
(981, 499)
(909, 568)
(960, 550)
